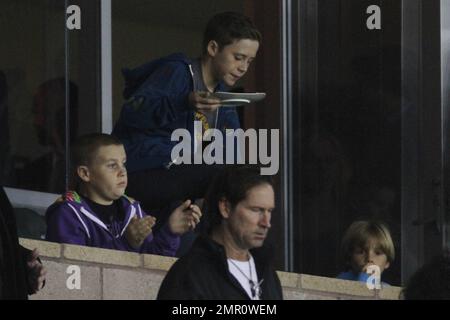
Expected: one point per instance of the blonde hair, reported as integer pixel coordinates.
(360, 232)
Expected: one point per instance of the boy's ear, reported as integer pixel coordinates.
(224, 208)
(387, 265)
(83, 173)
(213, 48)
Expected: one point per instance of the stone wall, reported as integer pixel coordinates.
(110, 274)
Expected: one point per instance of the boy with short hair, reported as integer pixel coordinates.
(171, 93)
(366, 243)
(99, 214)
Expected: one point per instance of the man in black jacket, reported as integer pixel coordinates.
(21, 272)
(229, 261)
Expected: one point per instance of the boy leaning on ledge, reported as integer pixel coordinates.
(99, 214)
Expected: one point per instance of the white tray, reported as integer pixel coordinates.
(242, 97)
(234, 102)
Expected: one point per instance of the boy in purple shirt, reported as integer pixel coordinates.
(99, 214)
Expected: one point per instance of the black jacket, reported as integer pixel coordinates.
(202, 274)
(13, 257)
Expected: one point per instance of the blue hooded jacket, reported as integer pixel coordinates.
(156, 104)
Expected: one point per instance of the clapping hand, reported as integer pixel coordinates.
(138, 230)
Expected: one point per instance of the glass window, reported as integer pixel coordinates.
(350, 134)
(33, 84)
(367, 142)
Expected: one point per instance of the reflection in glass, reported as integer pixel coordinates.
(34, 54)
(349, 120)
(33, 93)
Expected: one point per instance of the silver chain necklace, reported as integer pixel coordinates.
(255, 287)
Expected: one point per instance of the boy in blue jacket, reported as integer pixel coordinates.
(171, 93)
(99, 214)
